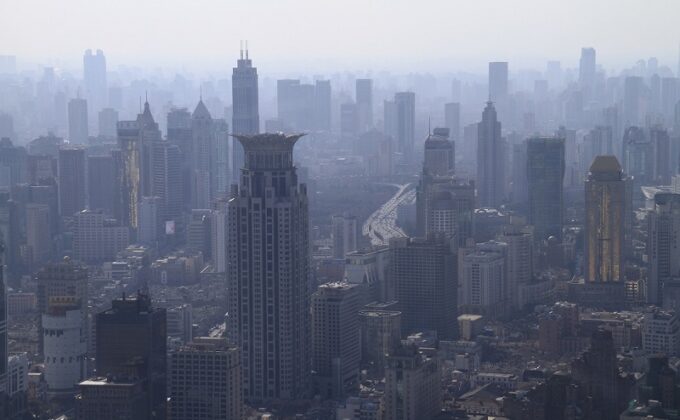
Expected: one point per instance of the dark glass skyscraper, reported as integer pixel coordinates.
(545, 175)
(268, 270)
(246, 116)
(131, 344)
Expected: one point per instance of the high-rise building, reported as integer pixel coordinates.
(587, 68)
(246, 117)
(605, 191)
(364, 101)
(66, 278)
(136, 140)
(440, 153)
(412, 386)
(491, 152)
(349, 119)
(131, 343)
(269, 274)
(94, 72)
(64, 344)
(633, 94)
(498, 80)
(519, 261)
(322, 105)
(452, 120)
(71, 180)
(205, 381)
(336, 346)
(597, 371)
(663, 246)
(108, 119)
(400, 120)
(150, 221)
(484, 283)
(78, 130)
(545, 176)
(97, 237)
(445, 205)
(344, 233)
(103, 183)
(425, 279)
(180, 135)
(664, 165)
(203, 139)
(380, 335)
(38, 237)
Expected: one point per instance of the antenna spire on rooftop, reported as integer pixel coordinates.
(241, 50)
(246, 49)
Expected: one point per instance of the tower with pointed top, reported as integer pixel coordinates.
(490, 159)
(136, 140)
(268, 271)
(202, 139)
(245, 103)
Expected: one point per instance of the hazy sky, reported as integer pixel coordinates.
(320, 35)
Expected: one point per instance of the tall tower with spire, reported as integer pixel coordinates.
(246, 115)
(490, 159)
(268, 271)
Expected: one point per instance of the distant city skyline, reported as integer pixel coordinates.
(350, 35)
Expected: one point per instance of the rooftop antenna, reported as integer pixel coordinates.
(241, 50)
(246, 50)
(146, 96)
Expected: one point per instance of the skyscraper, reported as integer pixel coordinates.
(131, 343)
(663, 245)
(587, 68)
(94, 72)
(545, 175)
(440, 153)
(103, 183)
(400, 119)
(633, 91)
(136, 140)
(336, 345)
(452, 119)
(246, 117)
(203, 138)
(78, 130)
(444, 205)
(71, 180)
(345, 232)
(425, 277)
(108, 118)
(364, 101)
(180, 135)
(498, 80)
(268, 270)
(322, 105)
(491, 153)
(605, 191)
